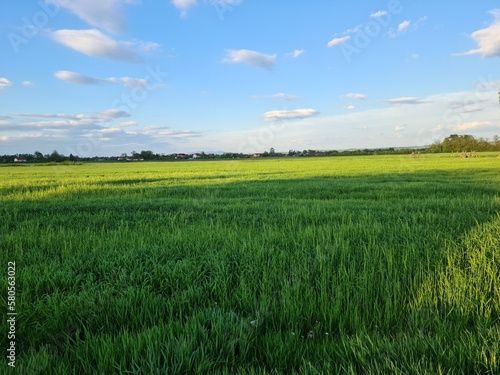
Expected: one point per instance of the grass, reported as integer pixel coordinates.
(376, 264)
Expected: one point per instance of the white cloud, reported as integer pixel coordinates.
(404, 100)
(154, 127)
(106, 115)
(289, 114)
(183, 5)
(471, 108)
(147, 47)
(253, 58)
(354, 30)
(111, 130)
(131, 83)
(378, 14)
(337, 41)
(159, 131)
(403, 25)
(350, 107)
(94, 43)
(4, 82)
(48, 122)
(126, 124)
(475, 125)
(76, 78)
(466, 126)
(285, 96)
(179, 134)
(105, 14)
(352, 95)
(109, 115)
(27, 83)
(277, 96)
(295, 53)
(488, 39)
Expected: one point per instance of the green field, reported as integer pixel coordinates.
(356, 265)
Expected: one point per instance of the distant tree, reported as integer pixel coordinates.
(56, 156)
(496, 142)
(483, 144)
(436, 147)
(38, 155)
(146, 155)
(272, 152)
(71, 157)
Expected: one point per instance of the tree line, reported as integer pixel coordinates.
(452, 143)
(465, 143)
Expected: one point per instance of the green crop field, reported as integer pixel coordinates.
(356, 265)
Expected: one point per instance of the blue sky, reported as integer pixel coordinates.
(107, 77)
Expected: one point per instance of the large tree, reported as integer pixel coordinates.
(459, 143)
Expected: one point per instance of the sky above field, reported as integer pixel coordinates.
(105, 77)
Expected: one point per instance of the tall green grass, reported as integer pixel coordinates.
(330, 265)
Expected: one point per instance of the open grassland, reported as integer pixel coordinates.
(377, 264)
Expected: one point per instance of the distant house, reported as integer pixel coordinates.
(196, 156)
(20, 159)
